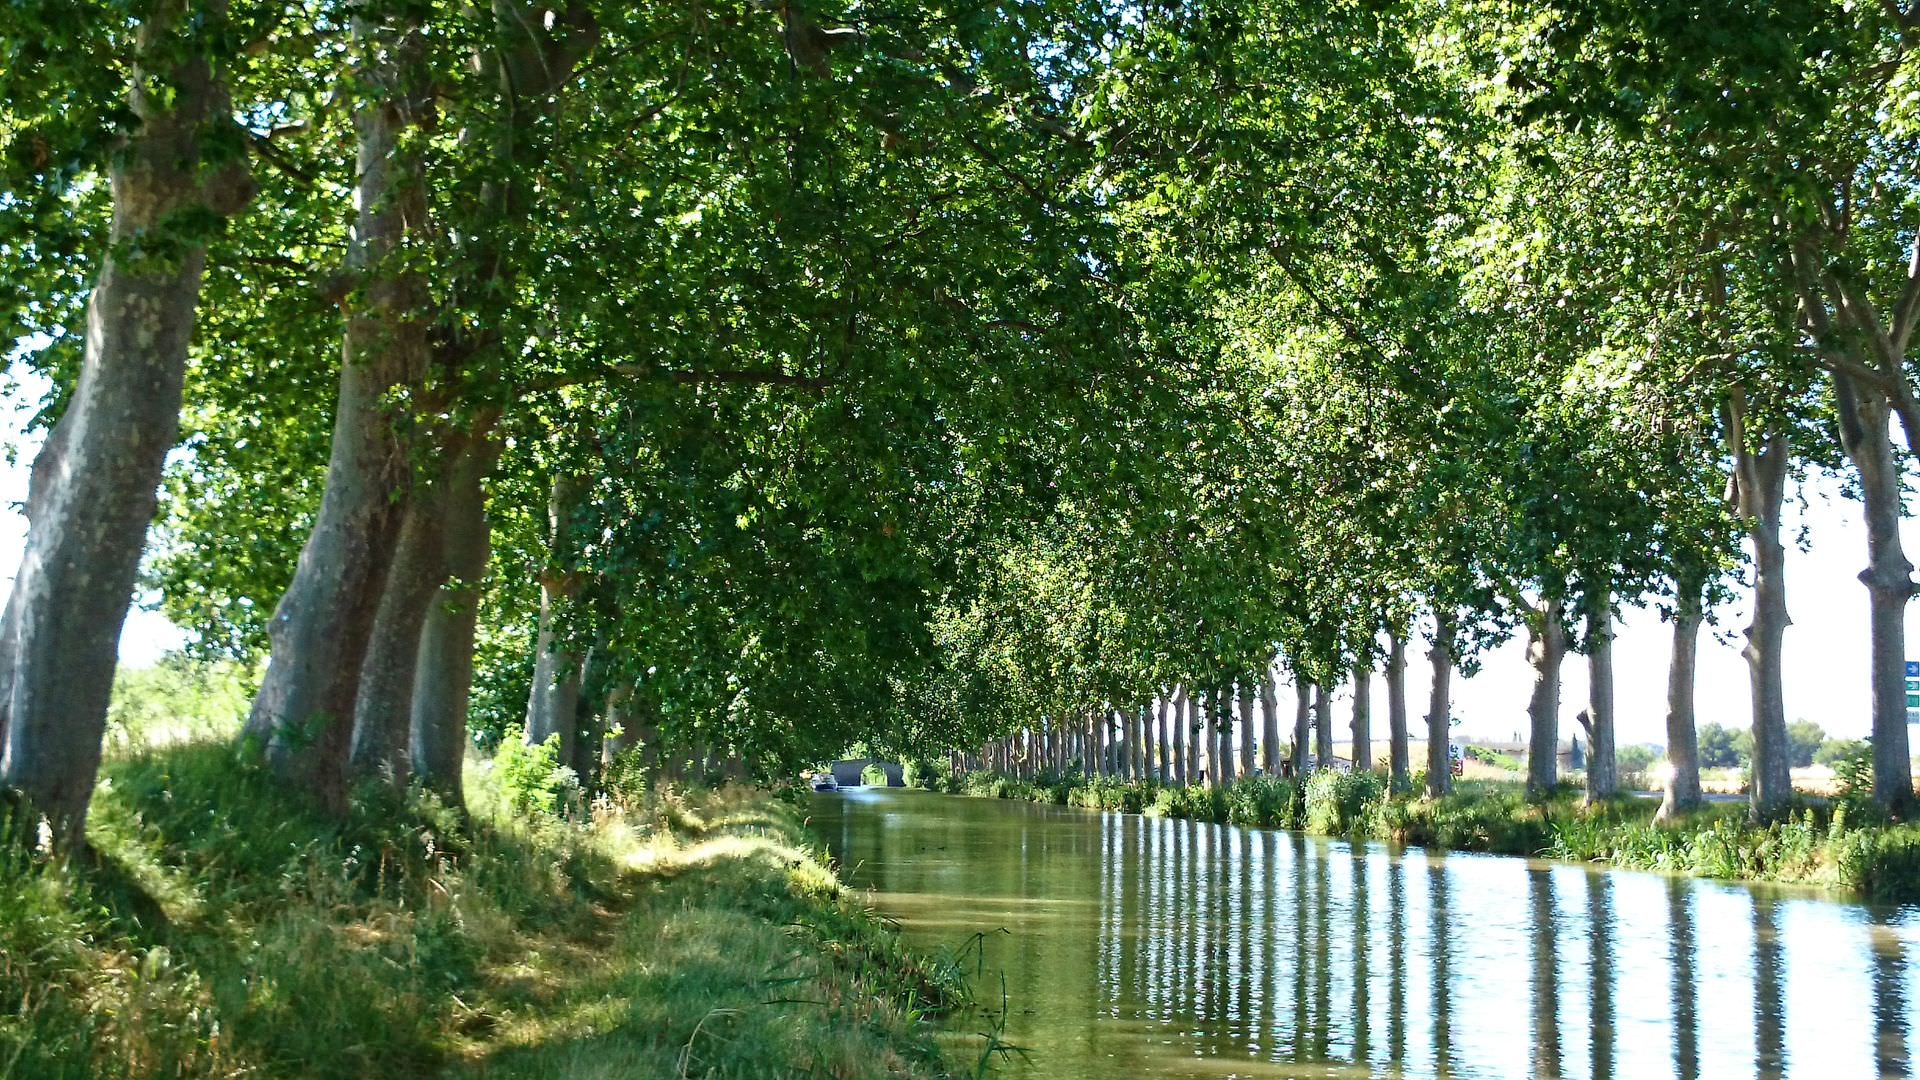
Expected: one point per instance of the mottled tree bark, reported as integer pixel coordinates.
(1246, 728)
(1177, 760)
(1399, 764)
(1865, 435)
(1440, 709)
(450, 498)
(1196, 737)
(1269, 723)
(1302, 722)
(1683, 742)
(1362, 718)
(92, 488)
(303, 713)
(1760, 478)
(1322, 727)
(1223, 734)
(554, 698)
(1546, 649)
(1603, 775)
(443, 672)
(1159, 767)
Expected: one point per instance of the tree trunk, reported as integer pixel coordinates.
(383, 709)
(1399, 764)
(1302, 722)
(1760, 488)
(1440, 709)
(1362, 718)
(1197, 738)
(385, 696)
(1683, 743)
(554, 697)
(1196, 744)
(1246, 728)
(1603, 774)
(1156, 736)
(1223, 733)
(1161, 769)
(92, 490)
(622, 733)
(1889, 580)
(1546, 648)
(1269, 723)
(1322, 728)
(303, 712)
(1181, 740)
(443, 673)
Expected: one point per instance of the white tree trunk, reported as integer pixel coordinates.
(92, 490)
(1683, 743)
(1546, 649)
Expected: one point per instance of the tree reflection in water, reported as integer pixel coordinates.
(1153, 948)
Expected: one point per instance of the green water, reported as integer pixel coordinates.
(1139, 947)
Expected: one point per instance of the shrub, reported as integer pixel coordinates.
(936, 775)
(1269, 801)
(1337, 803)
(532, 778)
(874, 776)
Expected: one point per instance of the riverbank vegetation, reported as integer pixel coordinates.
(1843, 845)
(698, 390)
(221, 926)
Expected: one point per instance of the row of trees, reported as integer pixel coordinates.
(745, 379)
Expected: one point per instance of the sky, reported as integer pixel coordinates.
(1825, 655)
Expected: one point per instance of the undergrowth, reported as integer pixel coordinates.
(223, 928)
(1841, 845)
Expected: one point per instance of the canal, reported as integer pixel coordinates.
(1141, 947)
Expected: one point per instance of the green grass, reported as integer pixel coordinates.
(1839, 846)
(226, 930)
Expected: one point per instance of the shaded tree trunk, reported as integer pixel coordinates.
(554, 697)
(1158, 763)
(1302, 721)
(1322, 727)
(1399, 765)
(1603, 775)
(1362, 718)
(1546, 649)
(1440, 709)
(1180, 738)
(1683, 742)
(1196, 737)
(1223, 734)
(1246, 728)
(443, 672)
(1269, 723)
(92, 489)
(1865, 435)
(383, 707)
(303, 712)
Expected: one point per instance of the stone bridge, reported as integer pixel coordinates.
(847, 773)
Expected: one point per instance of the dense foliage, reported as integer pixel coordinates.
(729, 383)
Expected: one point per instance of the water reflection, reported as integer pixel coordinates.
(1146, 947)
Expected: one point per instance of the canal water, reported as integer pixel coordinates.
(1140, 947)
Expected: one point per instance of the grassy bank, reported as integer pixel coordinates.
(1838, 845)
(224, 930)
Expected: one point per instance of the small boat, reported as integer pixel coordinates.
(825, 782)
